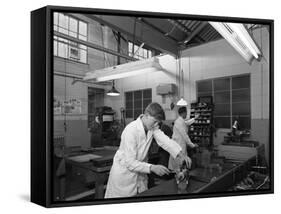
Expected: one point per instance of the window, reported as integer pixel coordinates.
(143, 53)
(72, 27)
(231, 97)
(136, 102)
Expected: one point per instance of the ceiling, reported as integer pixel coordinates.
(166, 35)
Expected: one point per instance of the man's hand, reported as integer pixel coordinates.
(183, 158)
(159, 170)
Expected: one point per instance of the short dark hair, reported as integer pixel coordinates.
(182, 110)
(155, 110)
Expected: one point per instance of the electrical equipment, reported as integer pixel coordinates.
(165, 89)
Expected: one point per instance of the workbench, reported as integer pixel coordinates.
(204, 180)
(99, 165)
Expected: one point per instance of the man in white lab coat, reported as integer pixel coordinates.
(128, 175)
(180, 136)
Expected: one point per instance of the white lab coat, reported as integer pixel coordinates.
(127, 176)
(181, 137)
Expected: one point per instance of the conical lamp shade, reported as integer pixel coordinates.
(113, 92)
(181, 102)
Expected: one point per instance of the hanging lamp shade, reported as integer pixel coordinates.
(113, 91)
(182, 102)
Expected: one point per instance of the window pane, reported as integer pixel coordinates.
(130, 47)
(135, 48)
(241, 95)
(62, 30)
(146, 103)
(62, 50)
(63, 21)
(129, 105)
(147, 93)
(241, 109)
(241, 82)
(137, 103)
(73, 25)
(84, 47)
(55, 48)
(129, 96)
(222, 97)
(140, 53)
(222, 122)
(56, 15)
(83, 28)
(72, 34)
(83, 56)
(84, 38)
(144, 53)
(222, 109)
(222, 84)
(204, 86)
(137, 95)
(129, 113)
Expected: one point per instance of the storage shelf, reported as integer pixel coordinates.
(205, 114)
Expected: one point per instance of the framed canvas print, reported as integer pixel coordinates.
(131, 106)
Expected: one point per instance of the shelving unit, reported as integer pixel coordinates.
(201, 131)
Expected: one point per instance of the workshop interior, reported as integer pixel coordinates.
(108, 68)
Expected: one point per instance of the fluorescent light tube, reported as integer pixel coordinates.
(239, 38)
(125, 70)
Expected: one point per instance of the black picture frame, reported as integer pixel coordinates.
(42, 106)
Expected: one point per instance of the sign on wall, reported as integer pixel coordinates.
(70, 106)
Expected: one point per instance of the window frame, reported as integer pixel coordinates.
(149, 51)
(133, 101)
(81, 48)
(212, 93)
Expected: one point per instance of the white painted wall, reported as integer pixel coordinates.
(151, 80)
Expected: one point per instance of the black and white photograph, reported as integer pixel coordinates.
(135, 107)
(151, 106)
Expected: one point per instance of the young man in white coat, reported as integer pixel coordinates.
(128, 175)
(180, 136)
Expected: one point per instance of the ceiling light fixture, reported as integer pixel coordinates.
(238, 36)
(182, 101)
(113, 92)
(125, 70)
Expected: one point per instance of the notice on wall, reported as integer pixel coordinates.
(57, 106)
(70, 106)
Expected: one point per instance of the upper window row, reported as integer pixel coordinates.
(138, 52)
(72, 27)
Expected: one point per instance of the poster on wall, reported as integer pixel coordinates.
(57, 106)
(72, 106)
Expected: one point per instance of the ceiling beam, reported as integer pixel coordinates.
(157, 29)
(134, 29)
(195, 32)
(186, 30)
